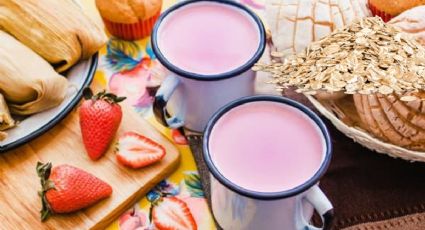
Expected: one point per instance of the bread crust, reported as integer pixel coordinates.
(395, 7)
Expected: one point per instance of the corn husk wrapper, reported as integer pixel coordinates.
(6, 120)
(59, 31)
(28, 83)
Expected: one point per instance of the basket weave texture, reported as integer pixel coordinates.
(341, 120)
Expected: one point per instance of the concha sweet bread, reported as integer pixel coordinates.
(412, 22)
(388, 117)
(393, 120)
(295, 24)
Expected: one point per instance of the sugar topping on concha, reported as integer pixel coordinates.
(295, 24)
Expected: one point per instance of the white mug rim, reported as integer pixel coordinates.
(267, 195)
(213, 77)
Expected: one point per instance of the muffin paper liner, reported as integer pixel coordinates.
(133, 31)
(376, 12)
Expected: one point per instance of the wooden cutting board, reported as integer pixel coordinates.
(20, 203)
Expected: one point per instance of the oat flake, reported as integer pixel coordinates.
(366, 57)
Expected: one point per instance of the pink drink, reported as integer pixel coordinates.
(266, 146)
(208, 38)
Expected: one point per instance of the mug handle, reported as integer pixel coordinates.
(164, 93)
(321, 204)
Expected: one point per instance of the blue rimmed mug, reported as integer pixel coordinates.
(189, 99)
(235, 207)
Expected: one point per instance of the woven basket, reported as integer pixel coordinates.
(337, 112)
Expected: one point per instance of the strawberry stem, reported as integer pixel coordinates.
(103, 95)
(43, 171)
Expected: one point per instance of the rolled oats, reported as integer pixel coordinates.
(368, 56)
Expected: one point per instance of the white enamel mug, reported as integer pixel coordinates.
(235, 207)
(189, 99)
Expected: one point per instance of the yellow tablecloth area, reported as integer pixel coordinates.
(129, 69)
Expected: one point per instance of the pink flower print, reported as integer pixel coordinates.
(133, 220)
(139, 85)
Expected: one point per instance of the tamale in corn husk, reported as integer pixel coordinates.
(57, 30)
(6, 120)
(28, 83)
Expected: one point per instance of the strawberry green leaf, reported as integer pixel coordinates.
(48, 185)
(120, 99)
(45, 211)
(111, 95)
(103, 95)
(43, 171)
(193, 183)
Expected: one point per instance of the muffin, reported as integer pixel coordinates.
(387, 9)
(129, 19)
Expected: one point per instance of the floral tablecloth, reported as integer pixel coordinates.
(130, 69)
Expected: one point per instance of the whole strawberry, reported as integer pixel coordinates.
(66, 189)
(100, 118)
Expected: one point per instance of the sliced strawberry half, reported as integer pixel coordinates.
(136, 151)
(178, 137)
(171, 213)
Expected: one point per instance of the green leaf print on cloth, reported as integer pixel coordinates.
(193, 182)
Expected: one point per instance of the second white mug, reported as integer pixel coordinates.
(264, 173)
